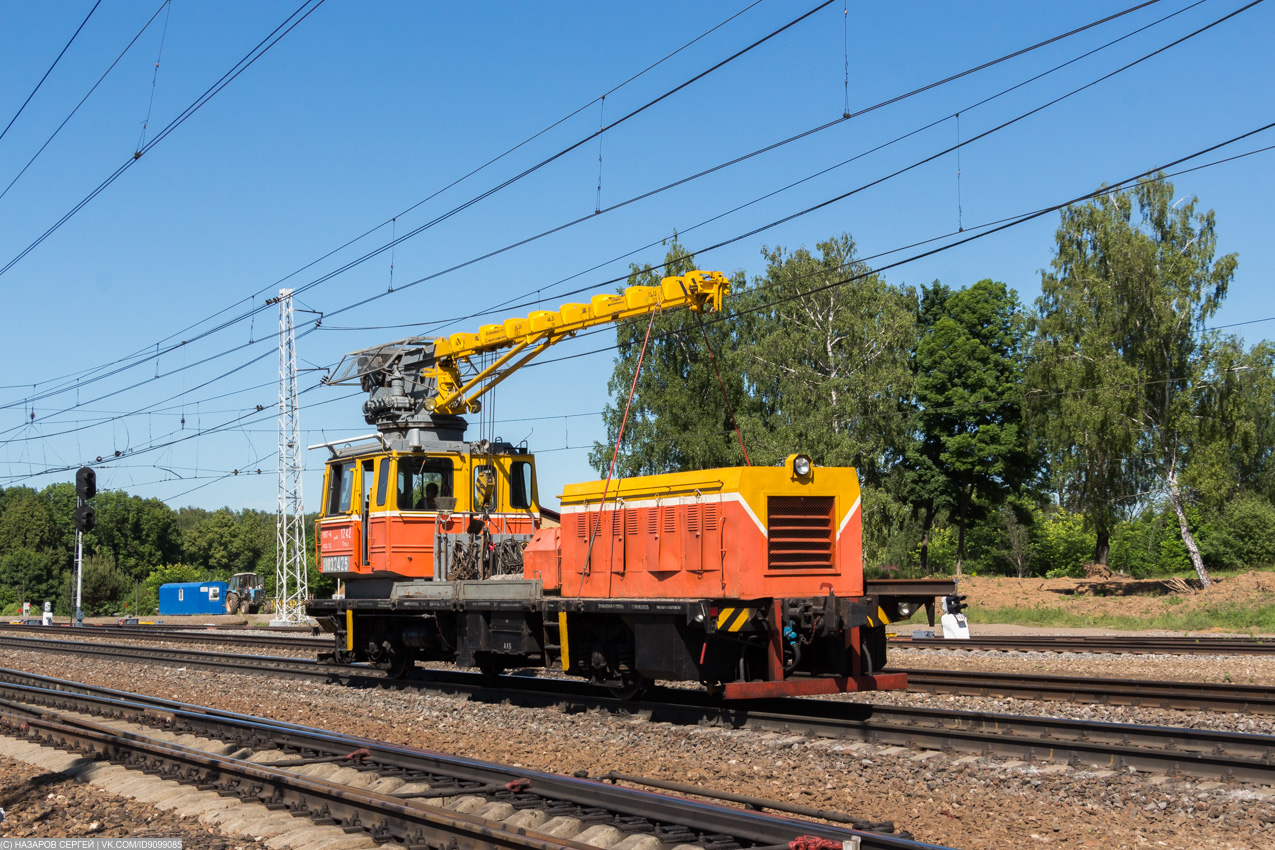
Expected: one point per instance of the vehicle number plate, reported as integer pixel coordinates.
(335, 563)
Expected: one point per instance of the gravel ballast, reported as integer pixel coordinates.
(959, 801)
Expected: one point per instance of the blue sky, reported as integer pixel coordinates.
(365, 109)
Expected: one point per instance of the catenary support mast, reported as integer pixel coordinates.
(291, 587)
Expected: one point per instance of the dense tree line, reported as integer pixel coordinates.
(1104, 423)
(136, 545)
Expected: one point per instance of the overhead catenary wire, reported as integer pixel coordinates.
(997, 227)
(58, 59)
(233, 370)
(910, 167)
(966, 238)
(782, 220)
(87, 94)
(150, 103)
(759, 151)
(242, 65)
(133, 360)
(442, 217)
(139, 356)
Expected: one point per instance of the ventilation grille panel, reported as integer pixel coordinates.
(801, 533)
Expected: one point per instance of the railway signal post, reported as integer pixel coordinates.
(85, 517)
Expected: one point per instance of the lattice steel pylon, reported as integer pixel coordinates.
(291, 585)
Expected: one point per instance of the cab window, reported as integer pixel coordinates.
(383, 482)
(340, 487)
(484, 488)
(520, 484)
(421, 481)
(365, 484)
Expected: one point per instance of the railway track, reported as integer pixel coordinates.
(175, 635)
(422, 800)
(1174, 750)
(1250, 699)
(1131, 644)
(1254, 699)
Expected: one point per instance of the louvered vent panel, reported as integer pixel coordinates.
(582, 525)
(710, 516)
(631, 520)
(670, 519)
(801, 533)
(652, 520)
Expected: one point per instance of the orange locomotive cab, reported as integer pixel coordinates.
(427, 515)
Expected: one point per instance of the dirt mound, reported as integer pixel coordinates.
(1117, 596)
(1093, 571)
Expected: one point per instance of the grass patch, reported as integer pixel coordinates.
(1228, 616)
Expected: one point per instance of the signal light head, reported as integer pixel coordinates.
(85, 518)
(86, 483)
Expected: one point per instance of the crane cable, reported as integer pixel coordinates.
(725, 397)
(637, 371)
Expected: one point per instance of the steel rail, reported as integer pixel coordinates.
(1176, 750)
(1131, 644)
(36, 709)
(1249, 699)
(210, 636)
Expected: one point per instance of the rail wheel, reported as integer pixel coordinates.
(401, 664)
(489, 667)
(630, 687)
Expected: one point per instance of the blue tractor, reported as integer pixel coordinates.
(244, 594)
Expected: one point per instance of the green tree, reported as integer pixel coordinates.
(924, 486)
(1121, 356)
(968, 389)
(104, 586)
(60, 501)
(678, 419)
(32, 576)
(1243, 535)
(136, 533)
(220, 546)
(25, 522)
(1237, 419)
(1062, 543)
(827, 362)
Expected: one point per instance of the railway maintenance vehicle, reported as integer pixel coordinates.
(746, 579)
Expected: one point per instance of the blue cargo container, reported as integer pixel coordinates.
(192, 597)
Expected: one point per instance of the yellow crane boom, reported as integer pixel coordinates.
(437, 376)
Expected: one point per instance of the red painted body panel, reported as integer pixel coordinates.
(400, 545)
(809, 685)
(710, 549)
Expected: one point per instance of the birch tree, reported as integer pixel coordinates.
(827, 363)
(679, 419)
(1121, 363)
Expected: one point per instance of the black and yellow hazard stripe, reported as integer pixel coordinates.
(881, 619)
(734, 619)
